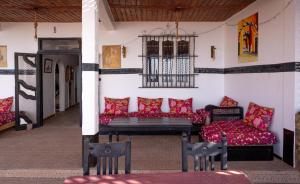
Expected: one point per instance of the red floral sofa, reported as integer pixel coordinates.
(197, 118)
(237, 134)
(7, 120)
(248, 139)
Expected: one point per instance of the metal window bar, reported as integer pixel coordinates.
(164, 69)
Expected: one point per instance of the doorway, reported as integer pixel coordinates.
(59, 86)
(61, 89)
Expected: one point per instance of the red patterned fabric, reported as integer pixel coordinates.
(149, 106)
(181, 106)
(237, 133)
(228, 102)
(6, 117)
(116, 106)
(203, 113)
(5, 104)
(258, 116)
(196, 118)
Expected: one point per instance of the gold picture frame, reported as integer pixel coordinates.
(3, 56)
(111, 56)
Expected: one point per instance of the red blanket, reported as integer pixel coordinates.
(237, 133)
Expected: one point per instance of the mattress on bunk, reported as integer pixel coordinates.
(237, 134)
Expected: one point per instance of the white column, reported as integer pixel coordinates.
(90, 67)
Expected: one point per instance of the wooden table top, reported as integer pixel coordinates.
(220, 177)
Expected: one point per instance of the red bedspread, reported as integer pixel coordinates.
(197, 118)
(237, 133)
(6, 117)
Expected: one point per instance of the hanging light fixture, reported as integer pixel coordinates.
(177, 19)
(35, 23)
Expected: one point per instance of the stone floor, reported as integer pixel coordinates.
(53, 152)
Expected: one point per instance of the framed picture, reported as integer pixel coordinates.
(248, 39)
(3, 56)
(48, 65)
(111, 56)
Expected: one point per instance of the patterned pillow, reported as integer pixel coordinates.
(181, 106)
(116, 106)
(5, 104)
(149, 106)
(228, 102)
(258, 116)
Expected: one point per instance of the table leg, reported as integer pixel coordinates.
(110, 158)
(85, 155)
(184, 160)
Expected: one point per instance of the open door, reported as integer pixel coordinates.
(28, 87)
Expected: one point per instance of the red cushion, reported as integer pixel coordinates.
(116, 106)
(149, 106)
(5, 104)
(228, 102)
(258, 116)
(181, 106)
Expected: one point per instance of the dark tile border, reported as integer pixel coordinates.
(209, 70)
(12, 72)
(90, 67)
(121, 71)
(272, 68)
(7, 71)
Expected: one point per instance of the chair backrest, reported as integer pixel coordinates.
(205, 153)
(109, 153)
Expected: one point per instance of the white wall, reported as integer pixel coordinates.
(210, 86)
(276, 45)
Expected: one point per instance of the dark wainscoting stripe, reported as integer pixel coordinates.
(209, 70)
(272, 68)
(21, 72)
(90, 67)
(7, 72)
(121, 71)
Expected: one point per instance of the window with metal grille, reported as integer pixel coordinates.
(168, 61)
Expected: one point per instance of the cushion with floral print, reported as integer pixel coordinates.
(258, 116)
(228, 102)
(7, 117)
(116, 106)
(195, 118)
(237, 133)
(5, 104)
(181, 106)
(149, 105)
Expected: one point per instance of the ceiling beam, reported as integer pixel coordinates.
(106, 16)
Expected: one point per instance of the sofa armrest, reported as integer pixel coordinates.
(225, 113)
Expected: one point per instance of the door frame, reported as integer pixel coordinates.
(77, 52)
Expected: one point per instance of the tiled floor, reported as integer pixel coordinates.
(53, 152)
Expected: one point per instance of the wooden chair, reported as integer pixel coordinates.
(205, 153)
(110, 152)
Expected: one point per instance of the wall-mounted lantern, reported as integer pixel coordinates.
(212, 52)
(124, 51)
